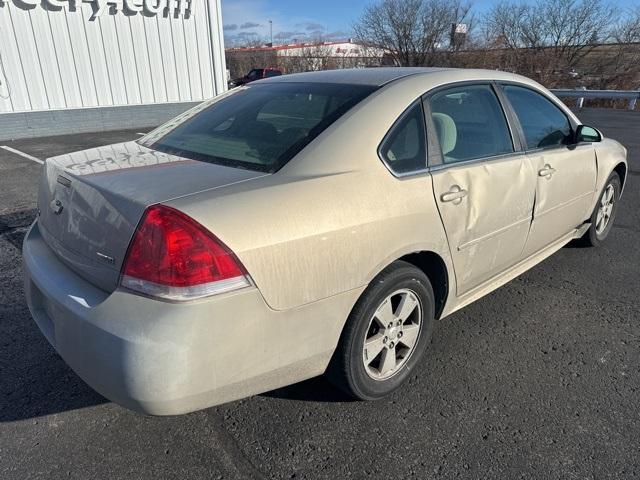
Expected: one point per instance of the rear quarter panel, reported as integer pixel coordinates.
(333, 217)
(315, 236)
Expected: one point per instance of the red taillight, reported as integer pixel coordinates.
(173, 256)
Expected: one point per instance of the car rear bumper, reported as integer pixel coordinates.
(169, 358)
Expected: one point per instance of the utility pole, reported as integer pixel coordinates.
(271, 32)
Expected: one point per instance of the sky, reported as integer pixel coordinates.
(244, 19)
(304, 19)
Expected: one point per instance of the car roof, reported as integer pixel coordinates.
(356, 76)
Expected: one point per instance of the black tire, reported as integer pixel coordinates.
(593, 238)
(347, 369)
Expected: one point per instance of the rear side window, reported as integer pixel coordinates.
(261, 127)
(273, 73)
(543, 123)
(470, 123)
(403, 149)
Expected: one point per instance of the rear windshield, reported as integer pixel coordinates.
(261, 127)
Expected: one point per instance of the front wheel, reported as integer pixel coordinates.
(386, 334)
(604, 213)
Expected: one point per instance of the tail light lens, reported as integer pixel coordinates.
(174, 257)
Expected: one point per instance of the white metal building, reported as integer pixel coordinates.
(87, 65)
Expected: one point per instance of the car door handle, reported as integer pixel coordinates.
(546, 171)
(455, 195)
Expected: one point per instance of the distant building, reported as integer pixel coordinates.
(299, 57)
(340, 49)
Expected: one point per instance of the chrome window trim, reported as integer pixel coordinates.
(571, 146)
(472, 161)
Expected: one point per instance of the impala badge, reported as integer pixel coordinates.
(106, 258)
(56, 207)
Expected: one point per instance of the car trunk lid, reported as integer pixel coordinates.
(90, 202)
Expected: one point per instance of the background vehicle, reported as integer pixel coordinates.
(312, 223)
(256, 74)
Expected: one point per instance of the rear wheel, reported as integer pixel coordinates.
(386, 334)
(604, 213)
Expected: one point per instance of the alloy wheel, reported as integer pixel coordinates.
(605, 209)
(392, 334)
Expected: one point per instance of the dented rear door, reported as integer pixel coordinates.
(486, 210)
(484, 184)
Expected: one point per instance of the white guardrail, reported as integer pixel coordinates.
(581, 93)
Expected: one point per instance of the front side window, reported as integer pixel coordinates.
(403, 149)
(470, 123)
(543, 123)
(260, 127)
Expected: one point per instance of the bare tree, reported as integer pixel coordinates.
(625, 57)
(543, 38)
(514, 25)
(573, 28)
(515, 31)
(413, 31)
(627, 29)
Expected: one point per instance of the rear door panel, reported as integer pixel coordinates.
(488, 228)
(484, 185)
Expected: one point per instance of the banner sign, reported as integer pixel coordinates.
(101, 7)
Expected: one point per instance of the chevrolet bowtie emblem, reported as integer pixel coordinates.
(56, 207)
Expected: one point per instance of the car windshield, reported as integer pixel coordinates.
(260, 127)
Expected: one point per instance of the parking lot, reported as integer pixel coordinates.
(540, 379)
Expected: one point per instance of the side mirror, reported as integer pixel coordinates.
(587, 134)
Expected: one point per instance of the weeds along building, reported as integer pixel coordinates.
(90, 65)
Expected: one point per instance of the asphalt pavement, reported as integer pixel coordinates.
(540, 379)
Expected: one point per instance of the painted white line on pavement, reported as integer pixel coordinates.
(140, 133)
(22, 154)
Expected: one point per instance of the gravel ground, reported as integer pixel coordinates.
(539, 379)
